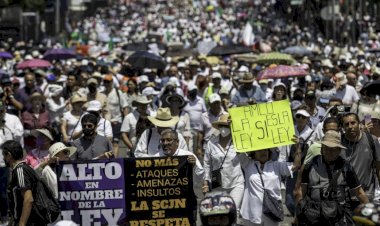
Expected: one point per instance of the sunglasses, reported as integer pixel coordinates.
(300, 116)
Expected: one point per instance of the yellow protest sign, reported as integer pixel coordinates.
(261, 126)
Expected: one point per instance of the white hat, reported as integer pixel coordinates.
(147, 70)
(214, 98)
(216, 75)
(141, 99)
(279, 84)
(66, 223)
(181, 65)
(44, 132)
(142, 78)
(97, 75)
(243, 69)
(94, 105)
(303, 112)
(163, 118)
(55, 89)
(191, 86)
(327, 63)
(58, 147)
(174, 80)
(149, 91)
(342, 78)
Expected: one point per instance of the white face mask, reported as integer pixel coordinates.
(224, 131)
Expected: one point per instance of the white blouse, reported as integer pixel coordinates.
(252, 204)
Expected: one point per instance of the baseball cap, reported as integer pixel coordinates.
(303, 112)
(214, 98)
(149, 91)
(216, 75)
(94, 105)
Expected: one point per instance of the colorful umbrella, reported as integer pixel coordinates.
(282, 71)
(5, 55)
(59, 54)
(144, 59)
(275, 58)
(34, 63)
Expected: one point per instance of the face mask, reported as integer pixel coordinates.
(88, 132)
(92, 89)
(224, 131)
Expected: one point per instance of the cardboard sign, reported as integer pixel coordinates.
(261, 126)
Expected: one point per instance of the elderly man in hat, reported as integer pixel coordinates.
(247, 92)
(149, 143)
(313, 183)
(135, 123)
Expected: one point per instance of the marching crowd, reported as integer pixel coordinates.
(97, 105)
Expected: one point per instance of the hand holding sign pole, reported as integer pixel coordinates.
(261, 126)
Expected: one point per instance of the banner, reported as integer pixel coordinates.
(262, 126)
(160, 191)
(92, 192)
(144, 191)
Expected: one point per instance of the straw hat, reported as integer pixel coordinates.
(247, 78)
(223, 120)
(44, 132)
(78, 98)
(141, 99)
(58, 147)
(163, 118)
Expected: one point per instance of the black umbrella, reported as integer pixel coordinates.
(144, 59)
(141, 46)
(229, 50)
(371, 88)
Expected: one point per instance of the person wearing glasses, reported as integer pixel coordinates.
(91, 145)
(46, 170)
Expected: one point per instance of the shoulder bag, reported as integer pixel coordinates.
(216, 177)
(272, 207)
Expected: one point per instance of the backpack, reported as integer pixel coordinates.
(45, 207)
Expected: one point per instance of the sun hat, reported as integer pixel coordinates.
(169, 100)
(303, 112)
(214, 98)
(247, 78)
(141, 99)
(78, 98)
(332, 139)
(96, 75)
(342, 78)
(45, 132)
(149, 91)
(163, 118)
(216, 75)
(92, 81)
(58, 147)
(142, 78)
(223, 120)
(94, 105)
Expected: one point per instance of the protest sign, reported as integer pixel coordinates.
(261, 126)
(92, 192)
(147, 191)
(160, 191)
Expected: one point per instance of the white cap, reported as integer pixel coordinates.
(243, 69)
(303, 112)
(191, 86)
(65, 223)
(181, 65)
(342, 78)
(142, 78)
(147, 70)
(94, 105)
(216, 75)
(174, 80)
(149, 91)
(214, 98)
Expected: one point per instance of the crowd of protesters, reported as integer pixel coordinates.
(97, 105)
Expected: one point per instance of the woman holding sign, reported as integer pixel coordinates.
(221, 172)
(262, 204)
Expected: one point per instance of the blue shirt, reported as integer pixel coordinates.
(243, 95)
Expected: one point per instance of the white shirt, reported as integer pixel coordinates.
(231, 171)
(348, 95)
(56, 110)
(71, 122)
(195, 109)
(143, 149)
(114, 104)
(129, 125)
(252, 204)
(13, 130)
(183, 125)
